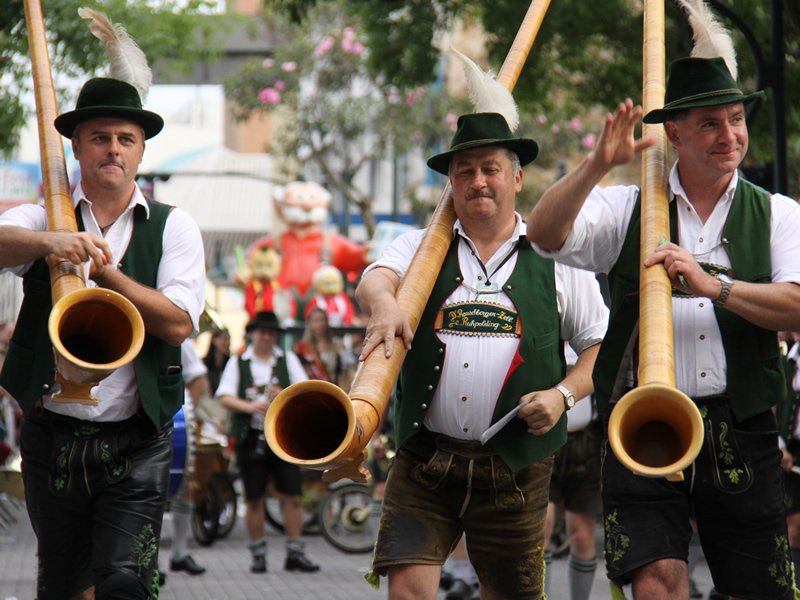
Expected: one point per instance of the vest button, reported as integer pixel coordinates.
(458, 279)
(415, 425)
(441, 350)
(508, 287)
(45, 387)
(430, 388)
(424, 406)
(436, 368)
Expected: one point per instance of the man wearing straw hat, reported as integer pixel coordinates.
(734, 265)
(96, 477)
(489, 341)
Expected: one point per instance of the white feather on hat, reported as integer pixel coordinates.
(711, 39)
(486, 94)
(127, 61)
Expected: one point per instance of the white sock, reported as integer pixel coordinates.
(548, 564)
(581, 577)
(181, 524)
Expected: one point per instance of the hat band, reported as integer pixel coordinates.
(680, 101)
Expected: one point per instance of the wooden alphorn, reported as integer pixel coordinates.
(655, 429)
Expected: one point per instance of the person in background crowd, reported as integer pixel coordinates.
(575, 484)
(789, 422)
(219, 351)
(248, 384)
(181, 506)
(322, 355)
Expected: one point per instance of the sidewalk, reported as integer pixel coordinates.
(228, 576)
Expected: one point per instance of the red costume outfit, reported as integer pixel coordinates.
(263, 295)
(302, 256)
(339, 308)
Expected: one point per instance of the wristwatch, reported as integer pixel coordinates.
(569, 397)
(726, 283)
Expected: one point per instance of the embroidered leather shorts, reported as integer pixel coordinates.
(95, 494)
(439, 488)
(734, 489)
(576, 477)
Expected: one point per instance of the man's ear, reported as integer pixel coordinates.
(673, 133)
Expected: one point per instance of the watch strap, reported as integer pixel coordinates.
(723, 293)
(568, 395)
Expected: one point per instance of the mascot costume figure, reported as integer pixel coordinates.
(263, 289)
(329, 295)
(305, 246)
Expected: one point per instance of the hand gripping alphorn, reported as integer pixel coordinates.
(93, 330)
(315, 424)
(655, 429)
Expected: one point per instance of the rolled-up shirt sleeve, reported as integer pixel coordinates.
(399, 253)
(182, 270)
(598, 232)
(584, 315)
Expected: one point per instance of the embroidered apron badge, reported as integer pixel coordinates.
(731, 472)
(478, 319)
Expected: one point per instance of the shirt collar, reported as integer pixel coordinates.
(520, 229)
(248, 354)
(677, 188)
(137, 199)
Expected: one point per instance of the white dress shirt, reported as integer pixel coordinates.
(475, 367)
(596, 240)
(261, 371)
(181, 278)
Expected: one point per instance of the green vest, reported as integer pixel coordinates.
(754, 375)
(240, 422)
(29, 369)
(538, 365)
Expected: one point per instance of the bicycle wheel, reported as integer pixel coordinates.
(274, 515)
(205, 517)
(228, 504)
(314, 490)
(347, 519)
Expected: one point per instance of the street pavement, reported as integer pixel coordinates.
(228, 568)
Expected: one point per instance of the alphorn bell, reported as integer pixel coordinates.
(315, 424)
(93, 330)
(655, 430)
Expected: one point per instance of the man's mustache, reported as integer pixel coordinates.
(480, 194)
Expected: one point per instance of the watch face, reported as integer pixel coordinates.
(724, 277)
(570, 400)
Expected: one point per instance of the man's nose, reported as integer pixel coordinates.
(478, 180)
(727, 132)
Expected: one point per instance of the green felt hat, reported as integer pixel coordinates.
(477, 130)
(106, 97)
(696, 82)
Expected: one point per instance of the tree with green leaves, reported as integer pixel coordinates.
(587, 54)
(331, 111)
(174, 35)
